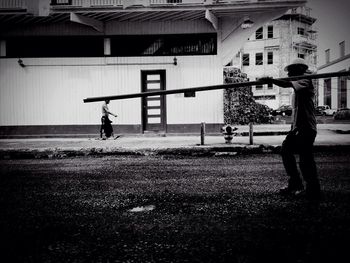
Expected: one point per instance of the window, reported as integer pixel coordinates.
(259, 59)
(270, 32)
(258, 87)
(61, 2)
(270, 58)
(259, 33)
(342, 48)
(301, 31)
(327, 54)
(301, 55)
(266, 97)
(121, 45)
(327, 92)
(270, 86)
(342, 92)
(189, 94)
(54, 46)
(245, 59)
(164, 45)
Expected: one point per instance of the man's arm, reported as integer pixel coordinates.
(107, 110)
(115, 115)
(281, 83)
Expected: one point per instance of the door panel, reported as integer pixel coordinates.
(153, 108)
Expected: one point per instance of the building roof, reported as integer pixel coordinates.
(19, 12)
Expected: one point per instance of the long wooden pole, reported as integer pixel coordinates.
(215, 87)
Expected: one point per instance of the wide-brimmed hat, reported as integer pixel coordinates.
(297, 61)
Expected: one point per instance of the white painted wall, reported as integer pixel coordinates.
(53, 94)
(50, 91)
(340, 66)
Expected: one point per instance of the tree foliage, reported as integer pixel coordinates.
(239, 104)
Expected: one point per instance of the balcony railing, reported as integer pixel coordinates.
(87, 3)
(13, 4)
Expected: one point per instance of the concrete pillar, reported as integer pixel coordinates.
(320, 88)
(2, 48)
(334, 92)
(348, 93)
(107, 46)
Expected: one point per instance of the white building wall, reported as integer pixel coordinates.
(50, 91)
(53, 93)
(339, 66)
(284, 33)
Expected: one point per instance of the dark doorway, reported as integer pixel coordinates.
(154, 107)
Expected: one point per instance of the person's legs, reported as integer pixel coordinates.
(289, 147)
(102, 128)
(307, 164)
(108, 127)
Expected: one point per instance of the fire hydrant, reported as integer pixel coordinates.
(228, 131)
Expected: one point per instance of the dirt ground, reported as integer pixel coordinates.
(152, 209)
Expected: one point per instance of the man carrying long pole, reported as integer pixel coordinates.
(302, 135)
(299, 140)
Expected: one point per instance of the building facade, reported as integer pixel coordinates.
(275, 45)
(53, 54)
(335, 92)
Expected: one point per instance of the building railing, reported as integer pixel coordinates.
(141, 2)
(13, 4)
(87, 3)
(302, 10)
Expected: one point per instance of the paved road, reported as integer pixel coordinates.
(199, 210)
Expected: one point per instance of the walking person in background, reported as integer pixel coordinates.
(302, 135)
(106, 130)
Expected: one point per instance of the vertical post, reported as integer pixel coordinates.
(2, 48)
(107, 46)
(202, 132)
(250, 133)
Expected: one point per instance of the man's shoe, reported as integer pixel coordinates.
(290, 191)
(313, 196)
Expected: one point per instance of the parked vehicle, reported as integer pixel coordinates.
(325, 110)
(283, 110)
(342, 114)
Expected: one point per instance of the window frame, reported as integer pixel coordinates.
(301, 31)
(95, 45)
(270, 59)
(301, 55)
(259, 87)
(270, 31)
(246, 60)
(258, 34)
(172, 44)
(261, 60)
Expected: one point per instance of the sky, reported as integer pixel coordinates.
(333, 25)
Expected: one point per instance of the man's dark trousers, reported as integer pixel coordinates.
(301, 142)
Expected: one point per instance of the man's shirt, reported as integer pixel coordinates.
(303, 105)
(105, 110)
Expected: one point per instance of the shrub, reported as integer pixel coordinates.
(342, 115)
(239, 104)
